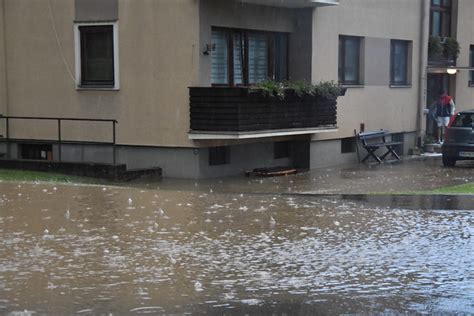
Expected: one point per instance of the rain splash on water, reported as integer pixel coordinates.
(93, 249)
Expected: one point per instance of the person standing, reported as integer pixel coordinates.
(445, 108)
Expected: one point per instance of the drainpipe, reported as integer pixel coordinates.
(423, 65)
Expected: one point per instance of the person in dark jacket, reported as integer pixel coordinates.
(445, 108)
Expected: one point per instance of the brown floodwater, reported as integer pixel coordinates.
(93, 250)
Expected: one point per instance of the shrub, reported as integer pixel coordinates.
(451, 47)
(326, 89)
(435, 48)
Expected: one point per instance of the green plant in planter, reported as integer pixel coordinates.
(326, 89)
(451, 48)
(299, 87)
(271, 88)
(435, 48)
(428, 139)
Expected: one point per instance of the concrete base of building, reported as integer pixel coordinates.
(330, 153)
(84, 169)
(196, 163)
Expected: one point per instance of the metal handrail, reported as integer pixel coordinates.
(59, 138)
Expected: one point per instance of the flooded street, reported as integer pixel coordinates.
(97, 250)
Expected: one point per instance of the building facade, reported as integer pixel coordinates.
(137, 63)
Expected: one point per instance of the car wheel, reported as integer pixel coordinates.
(449, 161)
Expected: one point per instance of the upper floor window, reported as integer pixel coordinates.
(471, 63)
(242, 57)
(96, 56)
(399, 62)
(349, 60)
(440, 18)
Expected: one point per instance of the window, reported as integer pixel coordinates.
(399, 62)
(219, 156)
(398, 137)
(220, 58)
(349, 60)
(471, 62)
(96, 56)
(281, 150)
(36, 151)
(348, 145)
(440, 18)
(242, 57)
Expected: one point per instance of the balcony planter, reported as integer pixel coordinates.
(233, 109)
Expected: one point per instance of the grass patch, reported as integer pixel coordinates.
(35, 176)
(467, 188)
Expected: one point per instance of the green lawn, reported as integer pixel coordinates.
(467, 188)
(33, 176)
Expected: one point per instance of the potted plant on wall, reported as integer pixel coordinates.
(435, 48)
(451, 48)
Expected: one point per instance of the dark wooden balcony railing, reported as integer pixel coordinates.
(219, 109)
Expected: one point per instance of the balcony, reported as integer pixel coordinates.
(293, 3)
(243, 113)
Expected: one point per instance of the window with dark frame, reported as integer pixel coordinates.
(471, 63)
(245, 57)
(440, 18)
(348, 145)
(97, 55)
(36, 151)
(349, 60)
(281, 150)
(399, 63)
(219, 156)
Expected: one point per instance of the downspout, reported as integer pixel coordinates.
(4, 97)
(423, 65)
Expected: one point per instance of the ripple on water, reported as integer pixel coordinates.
(227, 250)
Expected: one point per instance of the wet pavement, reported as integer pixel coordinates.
(241, 245)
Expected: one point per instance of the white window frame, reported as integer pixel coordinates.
(77, 50)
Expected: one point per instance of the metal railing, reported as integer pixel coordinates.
(59, 140)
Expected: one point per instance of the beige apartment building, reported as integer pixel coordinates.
(164, 83)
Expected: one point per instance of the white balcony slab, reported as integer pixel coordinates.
(209, 135)
(292, 3)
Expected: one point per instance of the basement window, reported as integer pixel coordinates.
(281, 150)
(36, 151)
(348, 145)
(219, 156)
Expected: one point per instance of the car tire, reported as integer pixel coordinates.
(449, 161)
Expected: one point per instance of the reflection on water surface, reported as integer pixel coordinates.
(93, 250)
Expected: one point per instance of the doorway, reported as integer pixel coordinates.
(436, 82)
